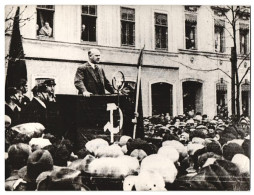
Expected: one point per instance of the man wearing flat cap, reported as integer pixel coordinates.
(50, 87)
(90, 78)
(36, 110)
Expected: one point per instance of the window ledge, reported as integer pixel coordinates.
(128, 46)
(39, 37)
(89, 42)
(161, 49)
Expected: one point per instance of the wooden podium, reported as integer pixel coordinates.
(84, 118)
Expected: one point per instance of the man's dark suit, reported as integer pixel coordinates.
(34, 112)
(87, 79)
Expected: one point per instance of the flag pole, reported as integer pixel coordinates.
(137, 92)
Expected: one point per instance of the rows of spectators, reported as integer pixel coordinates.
(204, 154)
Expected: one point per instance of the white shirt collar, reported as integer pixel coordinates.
(41, 102)
(93, 65)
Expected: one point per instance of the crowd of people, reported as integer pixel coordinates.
(185, 152)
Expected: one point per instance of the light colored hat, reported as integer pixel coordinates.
(242, 162)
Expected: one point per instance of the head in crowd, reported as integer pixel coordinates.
(40, 92)
(50, 85)
(13, 95)
(18, 155)
(94, 56)
(22, 85)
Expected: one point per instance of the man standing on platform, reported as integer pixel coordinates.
(90, 78)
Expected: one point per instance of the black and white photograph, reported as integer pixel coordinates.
(127, 97)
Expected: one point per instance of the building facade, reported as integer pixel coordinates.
(186, 62)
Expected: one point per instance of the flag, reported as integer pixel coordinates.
(139, 131)
(140, 122)
(16, 69)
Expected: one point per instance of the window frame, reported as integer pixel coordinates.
(162, 26)
(245, 33)
(128, 21)
(221, 31)
(96, 23)
(195, 34)
(53, 21)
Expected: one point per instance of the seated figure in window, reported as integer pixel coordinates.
(84, 33)
(46, 30)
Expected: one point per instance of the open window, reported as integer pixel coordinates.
(191, 31)
(88, 23)
(45, 20)
(244, 38)
(127, 26)
(161, 31)
(219, 34)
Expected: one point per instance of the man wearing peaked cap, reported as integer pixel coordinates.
(22, 86)
(50, 87)
(36, 110)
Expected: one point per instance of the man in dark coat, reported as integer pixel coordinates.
(36, 110)
(12, 98)
(90, 78)
(22, 86)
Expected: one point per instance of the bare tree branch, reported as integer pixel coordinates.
(229, 33)
(9, 13)
(244, 75)
(243, 60)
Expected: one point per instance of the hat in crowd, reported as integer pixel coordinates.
(50, 82)
(177, 145)
(213, 122)
(229, 166)
(224, 138)
(197, 133)
(40, 88)
(169, 152)
(21, 83)
(198, 118)
(237, 141)
(61, 179)
(202, 158)
(169, 136)
(82, 153)
(10, 91)
(38, 162)
(232, 130)
(139, 154)
(18, 155)
(214, 147)
(60, 152)
(242, 162)
(7, 120)
(141, 144)
(192, 148)
(229, 150)
(39, 143)
(246, 147)
(198, 140)
(243, 121)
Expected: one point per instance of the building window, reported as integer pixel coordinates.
(45, 20)
(191, 31)
(128, 26)
(88, 25)
(161, 31)
(219, 32)
(221, 96)
(244, 36)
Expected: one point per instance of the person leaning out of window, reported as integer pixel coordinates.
(46, 30)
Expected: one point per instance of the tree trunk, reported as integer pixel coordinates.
(233, 80)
